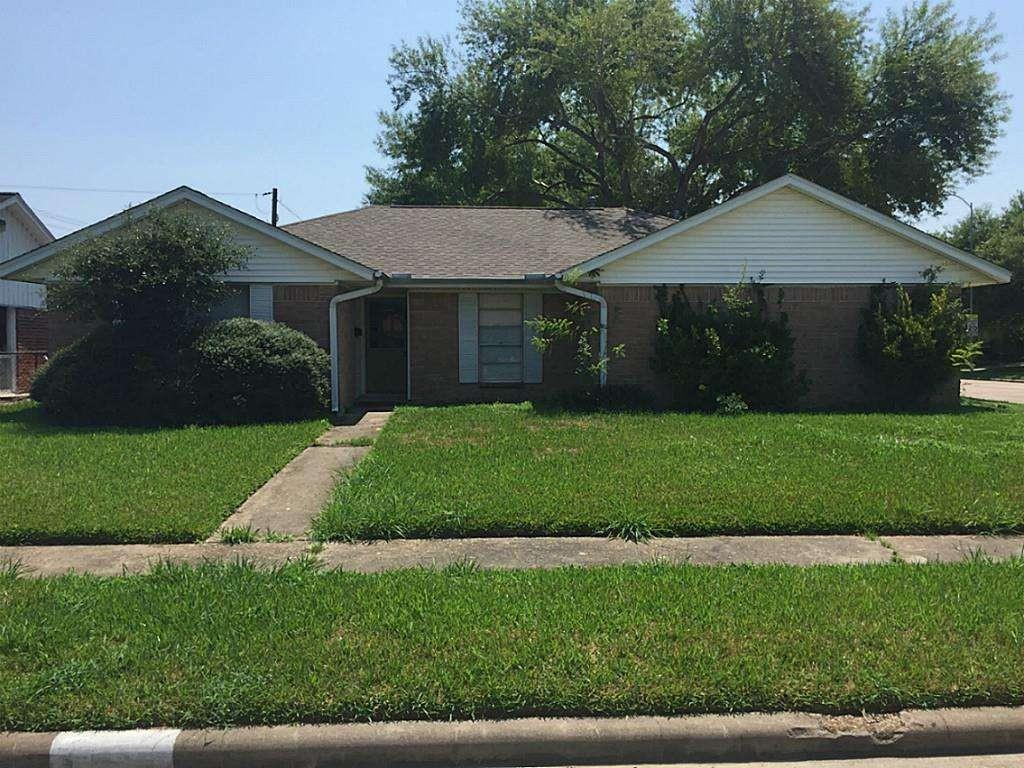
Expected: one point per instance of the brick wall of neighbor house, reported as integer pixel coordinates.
(33, 335)
(824, 319)
(434, 356)
(64, 330)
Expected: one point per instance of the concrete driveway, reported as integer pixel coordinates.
(1006, 391)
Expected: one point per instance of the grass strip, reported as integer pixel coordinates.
(229, 645)
(88, 485)
(500, 470)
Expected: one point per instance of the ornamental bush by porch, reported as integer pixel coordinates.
(730, 351)
(248, 370)
(105, 378)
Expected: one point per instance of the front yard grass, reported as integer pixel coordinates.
(223, 645)
(63, 485)
(512, 470)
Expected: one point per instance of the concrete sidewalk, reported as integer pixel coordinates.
(540, 741)
(116, 559)
(1005, 391)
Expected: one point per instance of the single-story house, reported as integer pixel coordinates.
(23, 330)
(427, 304)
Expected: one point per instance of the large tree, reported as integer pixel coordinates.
(645, 104)
(998, 237)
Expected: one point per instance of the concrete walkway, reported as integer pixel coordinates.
(1006, 391)
(117, 559)
(290, 500)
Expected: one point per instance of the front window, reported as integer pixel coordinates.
(501, 338)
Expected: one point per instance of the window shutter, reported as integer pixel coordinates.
(533, 365)
(261, 302)
(468, 373)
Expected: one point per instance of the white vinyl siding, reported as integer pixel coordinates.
(501, 338)
(468, 357)
(790, 238)
(16, 238)
(261, 302)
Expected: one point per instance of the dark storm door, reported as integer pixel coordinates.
(386, 346)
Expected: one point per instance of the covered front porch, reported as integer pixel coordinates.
(24, 337)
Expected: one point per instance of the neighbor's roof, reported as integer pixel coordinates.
(476, 242)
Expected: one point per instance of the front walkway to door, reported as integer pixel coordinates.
(288, 502)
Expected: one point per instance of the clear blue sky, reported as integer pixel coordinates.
(242, 96)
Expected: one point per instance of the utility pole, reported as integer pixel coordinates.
(273, 205)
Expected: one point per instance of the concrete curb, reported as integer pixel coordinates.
(537, 741)
(497, 553)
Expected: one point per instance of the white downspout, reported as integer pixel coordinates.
(335, 301)
(602, 337)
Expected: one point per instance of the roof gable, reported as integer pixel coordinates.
(12, 202)
(840, 229)
(178, 196)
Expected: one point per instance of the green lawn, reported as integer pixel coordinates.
(229, 645)
(998, 373)
(120, 485)
(508, 469)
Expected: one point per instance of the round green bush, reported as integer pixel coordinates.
(103, 378)
(248, 370)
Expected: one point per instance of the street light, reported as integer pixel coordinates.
(970, 239)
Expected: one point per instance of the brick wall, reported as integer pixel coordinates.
(434, 356)
(33, 335)
(824, 319)
(304, 308)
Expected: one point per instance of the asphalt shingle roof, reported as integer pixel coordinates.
(475, 242)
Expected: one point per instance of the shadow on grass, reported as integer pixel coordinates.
(966, 407)
(28, 419)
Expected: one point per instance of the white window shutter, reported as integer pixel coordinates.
(533, 361)
(261, 302)
(468, 350)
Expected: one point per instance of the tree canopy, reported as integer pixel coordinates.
(999, 238)
(154, 278)
(646, 104)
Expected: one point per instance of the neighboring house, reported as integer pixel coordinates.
(23, 330)
(429, 304)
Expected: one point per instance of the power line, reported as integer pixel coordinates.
(112, 191)
(60, 217)
(293, 213)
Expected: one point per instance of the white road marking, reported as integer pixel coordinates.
(112, 749)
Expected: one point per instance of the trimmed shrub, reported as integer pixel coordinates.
(913, 344)
(248, 370)
(612, 398)
(729, 352)
(103, 379)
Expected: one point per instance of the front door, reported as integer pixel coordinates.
(385, 346)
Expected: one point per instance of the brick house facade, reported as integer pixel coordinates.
(433, 302)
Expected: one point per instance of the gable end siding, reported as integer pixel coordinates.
(271, 262)
(791, 238)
